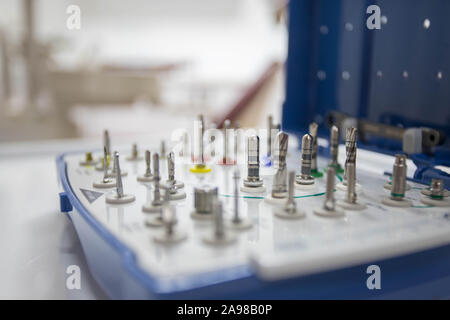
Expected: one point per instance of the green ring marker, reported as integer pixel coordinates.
(296, 197)
(316, 173)
(337, 168)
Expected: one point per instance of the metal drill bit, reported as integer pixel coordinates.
(334, 146)
(119, 185)
(350, 149)
(172, 188)
(200, 138)
(236, 177)
(106, 142)
(171, 167)
(279, 188)
(399, 178)
(305, 177)
(118, 197)
(156, 178)
(351, 182)
(330, 203)
(105, 165)
(253, 178)
(313, 132)
(282, 147)
(290, 204)
(226, 127)
(148, 170)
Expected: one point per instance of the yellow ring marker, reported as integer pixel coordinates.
(200, 168)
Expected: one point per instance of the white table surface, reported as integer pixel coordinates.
(37, 241)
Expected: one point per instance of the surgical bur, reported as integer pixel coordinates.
(253, 183)
(279, 187)
(118, 197)
(350, 150)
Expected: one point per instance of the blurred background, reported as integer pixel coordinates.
(68, 69)
(139, 68)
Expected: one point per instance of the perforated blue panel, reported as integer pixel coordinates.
(399, 75)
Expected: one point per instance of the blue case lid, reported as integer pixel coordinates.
(398, 75)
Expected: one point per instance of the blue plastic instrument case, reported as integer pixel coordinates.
(337, 70)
